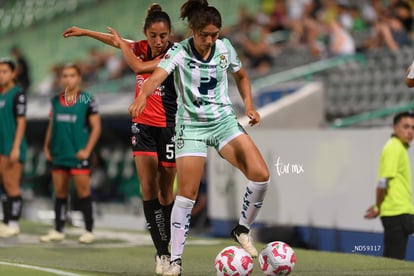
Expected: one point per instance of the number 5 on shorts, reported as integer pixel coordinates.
(169, 151)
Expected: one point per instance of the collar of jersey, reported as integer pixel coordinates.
(197, 55)
(149, 51)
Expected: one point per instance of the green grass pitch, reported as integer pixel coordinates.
(114, 256)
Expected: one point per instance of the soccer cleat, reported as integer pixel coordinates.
(53, 236)
(7, 231)
(162, 263)
(174, 269)
(87, 238)
(241, 235)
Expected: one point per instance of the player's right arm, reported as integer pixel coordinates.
(103, 37)
(148, 87)
(46, 147)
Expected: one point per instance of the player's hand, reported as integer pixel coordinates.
(372, 212)
(254, 117)
(48, 156)
(137, 106)
(73, 31)
(14, 155)
(116, 38)
(82, 154)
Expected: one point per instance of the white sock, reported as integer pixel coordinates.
(180, 223)
(252, 202)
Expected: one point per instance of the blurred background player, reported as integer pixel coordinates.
(22, 68)
(12, 147)
(394, 202)
(73, 131)
(205, 117)
(153, 131)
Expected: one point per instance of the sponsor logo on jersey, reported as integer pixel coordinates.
(193, 65)
(207, 84)
(2, 103)
(21, 99)
(133, 140)
(68, 118)
(134, 128)
(159, 91)
(85, 163)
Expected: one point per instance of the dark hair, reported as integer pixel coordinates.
(8, 62)
(74, 66)
(156, 14)
(199, 14)
(400, 116)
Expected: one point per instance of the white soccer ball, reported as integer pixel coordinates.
(277, 258)
(233, 261)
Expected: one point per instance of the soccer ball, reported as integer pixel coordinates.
(233, 261)
(277, 258)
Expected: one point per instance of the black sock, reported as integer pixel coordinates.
(16, 206)
(85, 205)
(157, 225)
(6, 203)
(61, 206)
(167, 209)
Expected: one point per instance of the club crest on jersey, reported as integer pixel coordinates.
(223, 62)
(180, 143)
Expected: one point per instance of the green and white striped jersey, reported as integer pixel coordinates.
(201, 85)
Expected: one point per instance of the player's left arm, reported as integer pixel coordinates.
(20, 115)
(245, 90)
(135, 63)
(94, 121)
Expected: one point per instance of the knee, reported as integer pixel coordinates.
(260, 174)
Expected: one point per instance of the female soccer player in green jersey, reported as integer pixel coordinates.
(74, 128)
(205, 118)
(12, 147)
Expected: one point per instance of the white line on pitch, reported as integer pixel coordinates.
(50, 270)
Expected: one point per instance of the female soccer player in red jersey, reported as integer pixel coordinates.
(153, 132)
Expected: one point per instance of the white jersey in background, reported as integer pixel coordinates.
(201, 85)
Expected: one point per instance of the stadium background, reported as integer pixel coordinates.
(307, 99)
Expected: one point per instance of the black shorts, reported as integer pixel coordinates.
(154, 141)
(83, 167)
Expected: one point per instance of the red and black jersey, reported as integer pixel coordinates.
(161, 105)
